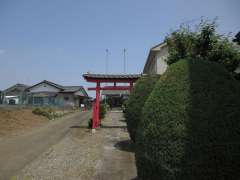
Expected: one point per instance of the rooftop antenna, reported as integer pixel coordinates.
(124, 61)
(106, 65)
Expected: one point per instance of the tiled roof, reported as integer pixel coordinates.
(22, 87)
(68, 89)
(112, 76)
(49, 83)
(72, 88)
(162, 44)
(53, 84)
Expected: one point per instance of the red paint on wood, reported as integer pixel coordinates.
(96, 119)
(93, 115)
(111, 88)
(111, 80)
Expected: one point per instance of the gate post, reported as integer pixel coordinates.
(97, 107)
(93, 115)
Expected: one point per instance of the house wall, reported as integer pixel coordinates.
(79, 93)
(157, 61)
(41, 100)
(152, 68)
(161, 57)
(68, 99)
(61, 100)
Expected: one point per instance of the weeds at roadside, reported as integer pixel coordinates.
(50, 113)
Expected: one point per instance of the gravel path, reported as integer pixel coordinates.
(67, 160)
(117, 160)
(81, 155)
(17, 152)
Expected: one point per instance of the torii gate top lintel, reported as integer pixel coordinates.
(108, 78)
(111, 77)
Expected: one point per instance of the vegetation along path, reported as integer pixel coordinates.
(16, 152)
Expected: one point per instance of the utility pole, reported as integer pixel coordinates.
(106, 65)
(124, 61)
(106, 69)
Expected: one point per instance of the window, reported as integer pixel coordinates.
(38, 100)
(52, 100)
(66, 98)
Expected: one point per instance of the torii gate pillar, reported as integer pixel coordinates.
(96, 108)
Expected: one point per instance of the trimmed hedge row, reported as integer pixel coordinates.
(190, 125)
(134, 105)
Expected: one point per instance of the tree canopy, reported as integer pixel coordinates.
(203, 42)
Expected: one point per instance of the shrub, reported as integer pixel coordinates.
(36, 111)
(124, 106)
(136, 101)
(90, 123)
(190, 127)
(47, 112)
(103, 111)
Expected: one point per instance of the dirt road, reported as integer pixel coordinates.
(16, 152)
(107, 154)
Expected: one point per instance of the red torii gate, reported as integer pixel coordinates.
(107, 78)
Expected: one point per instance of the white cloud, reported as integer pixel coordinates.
(2, 51)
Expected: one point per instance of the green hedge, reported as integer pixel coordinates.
(134, 105)
(190, 129)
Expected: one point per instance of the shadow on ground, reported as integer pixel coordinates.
(136, 178)
(82, 127)
(112, 127)
(102, 126)
(126, 145)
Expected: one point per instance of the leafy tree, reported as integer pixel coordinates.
(203, 42)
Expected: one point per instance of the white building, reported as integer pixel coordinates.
(156, 61)
(15, 94)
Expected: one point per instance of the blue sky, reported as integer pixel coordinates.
(59, 40)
